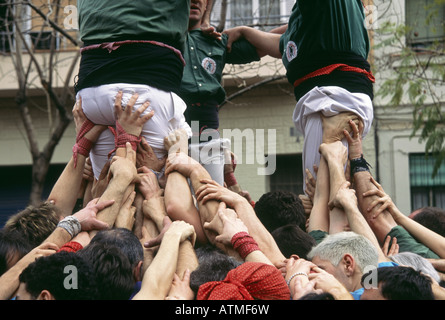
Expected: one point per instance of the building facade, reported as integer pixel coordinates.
(258, 122)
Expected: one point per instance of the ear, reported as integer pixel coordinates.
(45, 295)
(349, 264)
(137, 271)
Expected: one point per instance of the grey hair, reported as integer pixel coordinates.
(417, 262)
(335, 246)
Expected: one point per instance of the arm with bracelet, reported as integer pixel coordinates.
(233, 232)
(62, 194)
(83, 220)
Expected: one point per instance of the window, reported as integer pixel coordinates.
(42, 40)
(241, 12)
(265, 14)
(288, 175)
(425, 21)
(269, 12)
(5, 27)
(426, 191)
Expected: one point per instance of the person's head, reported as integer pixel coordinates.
(13, 247)
(60, 276)
(292, 240)
(278, 208)
(398, 283)
(35, 223)
(345, 255)
(249, 281)
(417, 262)
(214, 265)
(128, 243)
(112, 269)
(197, 10)
(432, 218)
(318, 296)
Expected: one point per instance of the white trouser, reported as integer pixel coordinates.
(211, 155)
(330, 101)
(98, 106)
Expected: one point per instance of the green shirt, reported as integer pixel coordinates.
(317, 26)
(205, 60)
(113, 20)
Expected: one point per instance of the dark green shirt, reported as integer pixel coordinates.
(116, 20)
(205, 60)
(317, 26)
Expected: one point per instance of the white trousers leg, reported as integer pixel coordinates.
(329, 101)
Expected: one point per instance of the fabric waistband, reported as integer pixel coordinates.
(111, 46)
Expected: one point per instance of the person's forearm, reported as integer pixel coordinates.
(154, 209)
(9, 282)
(358, 224)
(426, 236)
(159, 275)
(258, 231)
(266, 43)
(116, 191)
(438, 291)
(71, 178)
(59, 237)
(179, 203)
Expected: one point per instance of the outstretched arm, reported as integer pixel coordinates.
(425, 235)
(158, 278)
(266, 43)
(62, 194)
(211, 191)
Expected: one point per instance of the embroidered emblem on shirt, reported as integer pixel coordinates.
(291, 51)
(209, 65)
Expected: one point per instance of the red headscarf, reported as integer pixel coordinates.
(249, 281)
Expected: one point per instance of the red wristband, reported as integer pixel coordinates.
(83, 145)
(121, 137)
(229, 179)
(244, 244)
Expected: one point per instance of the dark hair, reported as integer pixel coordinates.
(35, 223)
(279, 208)
(432, 218)
(402, 283)
(13, 247)
(51, 273)
(214, 265)
(112, 269)
(292, 240)
(125, 240)
(318, 296)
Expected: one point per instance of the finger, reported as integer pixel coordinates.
(354, 128)
(131, 103)
(104, 204)
(142, 108)
(100, 225)
(118, 103)
(49, 246)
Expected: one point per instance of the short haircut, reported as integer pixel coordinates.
(35, 223)
(335, 246)
(51, 273)
(279, 208)
(403, 283)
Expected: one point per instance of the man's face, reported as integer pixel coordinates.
(336, 271)
(197, 9)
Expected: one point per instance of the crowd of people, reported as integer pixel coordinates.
(134, 216)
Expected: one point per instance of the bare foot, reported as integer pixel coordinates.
(336, 155)
(334, 126)
(334, 152)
